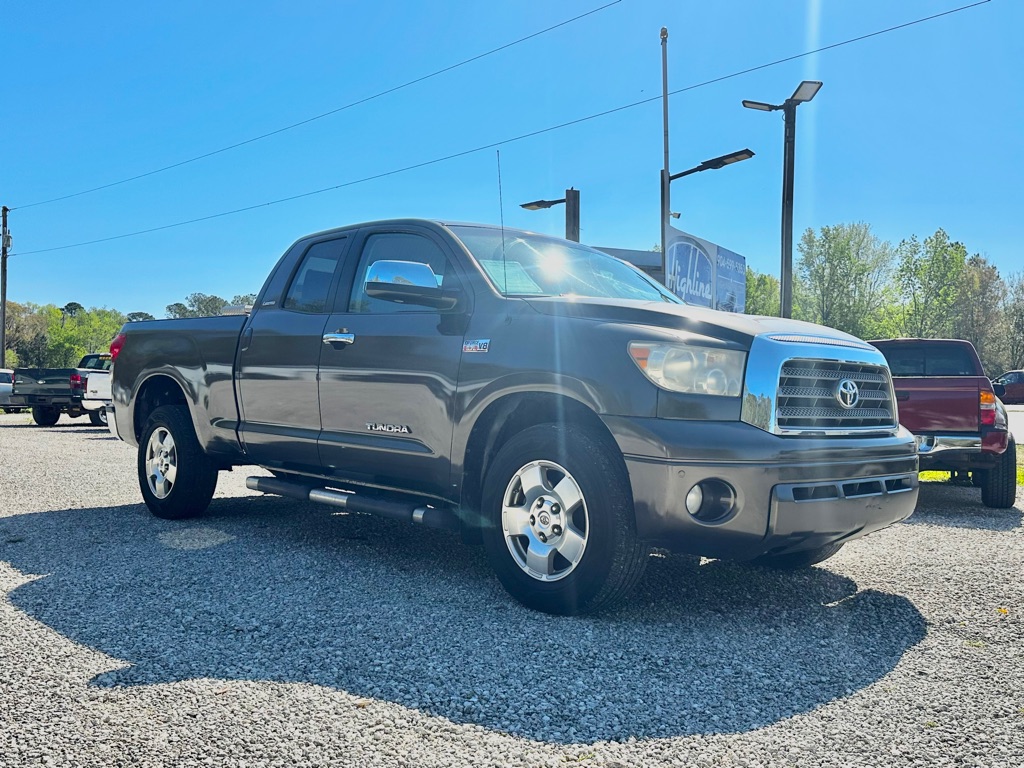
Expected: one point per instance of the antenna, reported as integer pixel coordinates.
(501, 212)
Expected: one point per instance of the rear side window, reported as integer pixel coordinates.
(312, 281)
(96, 363)
(929, 360)
(5, 378)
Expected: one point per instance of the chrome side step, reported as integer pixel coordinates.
(431, 517)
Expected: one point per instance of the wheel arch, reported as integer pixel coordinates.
(157, 390)
(506, 417)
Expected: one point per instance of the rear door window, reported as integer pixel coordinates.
(311, 285)
(929, 360)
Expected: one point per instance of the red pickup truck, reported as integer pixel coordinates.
(954, 411)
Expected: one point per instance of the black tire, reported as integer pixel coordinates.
(44, 416)
(794, 561)
(999, 484)
(611, 559)
(195, 477)
(98, 418)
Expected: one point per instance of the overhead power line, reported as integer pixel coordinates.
(321, 116)
(503, 142)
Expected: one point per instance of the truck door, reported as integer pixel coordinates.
(277, 363)
(388, 373)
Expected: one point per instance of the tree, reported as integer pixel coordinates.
(71, 309)
(244, 300)
(197, 305)
(978, 311)
(846, 272)
(136, 317)
(928, 277)
(1013, 321)
(762, 294)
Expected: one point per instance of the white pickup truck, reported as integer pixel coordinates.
(96, 399)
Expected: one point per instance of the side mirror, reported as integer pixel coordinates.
(408, 282)
(999, 389)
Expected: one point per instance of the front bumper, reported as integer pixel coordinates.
(791, 493)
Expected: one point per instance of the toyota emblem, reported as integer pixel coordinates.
(847, 393)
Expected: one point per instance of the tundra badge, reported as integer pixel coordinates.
(398, 428)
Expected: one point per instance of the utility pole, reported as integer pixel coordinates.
(5, 243)
(665, 186)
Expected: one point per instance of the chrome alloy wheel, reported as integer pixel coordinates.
(544, 521)
(161, 462)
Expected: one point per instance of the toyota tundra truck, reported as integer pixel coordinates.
(533, 393)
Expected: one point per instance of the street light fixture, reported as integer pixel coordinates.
(572, 211)
(803, 93)
(715, 163)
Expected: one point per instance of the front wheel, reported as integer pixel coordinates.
(44, 416)
(98, 418)
(999, 484)
(176, 477)
(560, 531)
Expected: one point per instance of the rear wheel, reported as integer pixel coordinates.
(98, 418)
(793, 561)
(176, 477)
(44, 416)
(560, 532)
(999, 484)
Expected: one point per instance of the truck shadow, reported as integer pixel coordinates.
(266, 589)
(957, 506)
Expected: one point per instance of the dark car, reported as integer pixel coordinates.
(1013, 386)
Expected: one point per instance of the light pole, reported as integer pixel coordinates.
(708, 165)
(572, 211)
(804, 92)
(5, 244)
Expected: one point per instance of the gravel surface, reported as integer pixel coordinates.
(277, 633)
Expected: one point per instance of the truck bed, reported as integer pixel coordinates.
(42, 386)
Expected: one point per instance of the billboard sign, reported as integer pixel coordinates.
(705, 274)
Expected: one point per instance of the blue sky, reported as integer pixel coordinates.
(913, 130)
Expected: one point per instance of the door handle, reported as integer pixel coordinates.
(339, 338)
(246, 338)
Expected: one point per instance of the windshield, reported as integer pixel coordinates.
(526, 265)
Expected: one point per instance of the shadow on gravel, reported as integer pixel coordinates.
(74, 426)
(267, 589)
(956, 506)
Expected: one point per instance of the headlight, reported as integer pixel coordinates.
(685, 368)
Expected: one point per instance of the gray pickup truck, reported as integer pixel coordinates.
(534, 393)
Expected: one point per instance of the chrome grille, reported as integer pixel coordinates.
(806, 398)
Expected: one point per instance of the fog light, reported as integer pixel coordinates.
(694, 499)
(711, 500)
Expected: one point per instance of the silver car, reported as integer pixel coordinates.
(6, 379)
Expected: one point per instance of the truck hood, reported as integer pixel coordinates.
(713, 323)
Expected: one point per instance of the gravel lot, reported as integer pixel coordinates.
(272, 632)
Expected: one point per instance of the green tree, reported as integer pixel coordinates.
(197, 305)
(1013, 322)
(846, 272)
(928, 276)
(978, 311)
(137, 317)
(762, 294)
